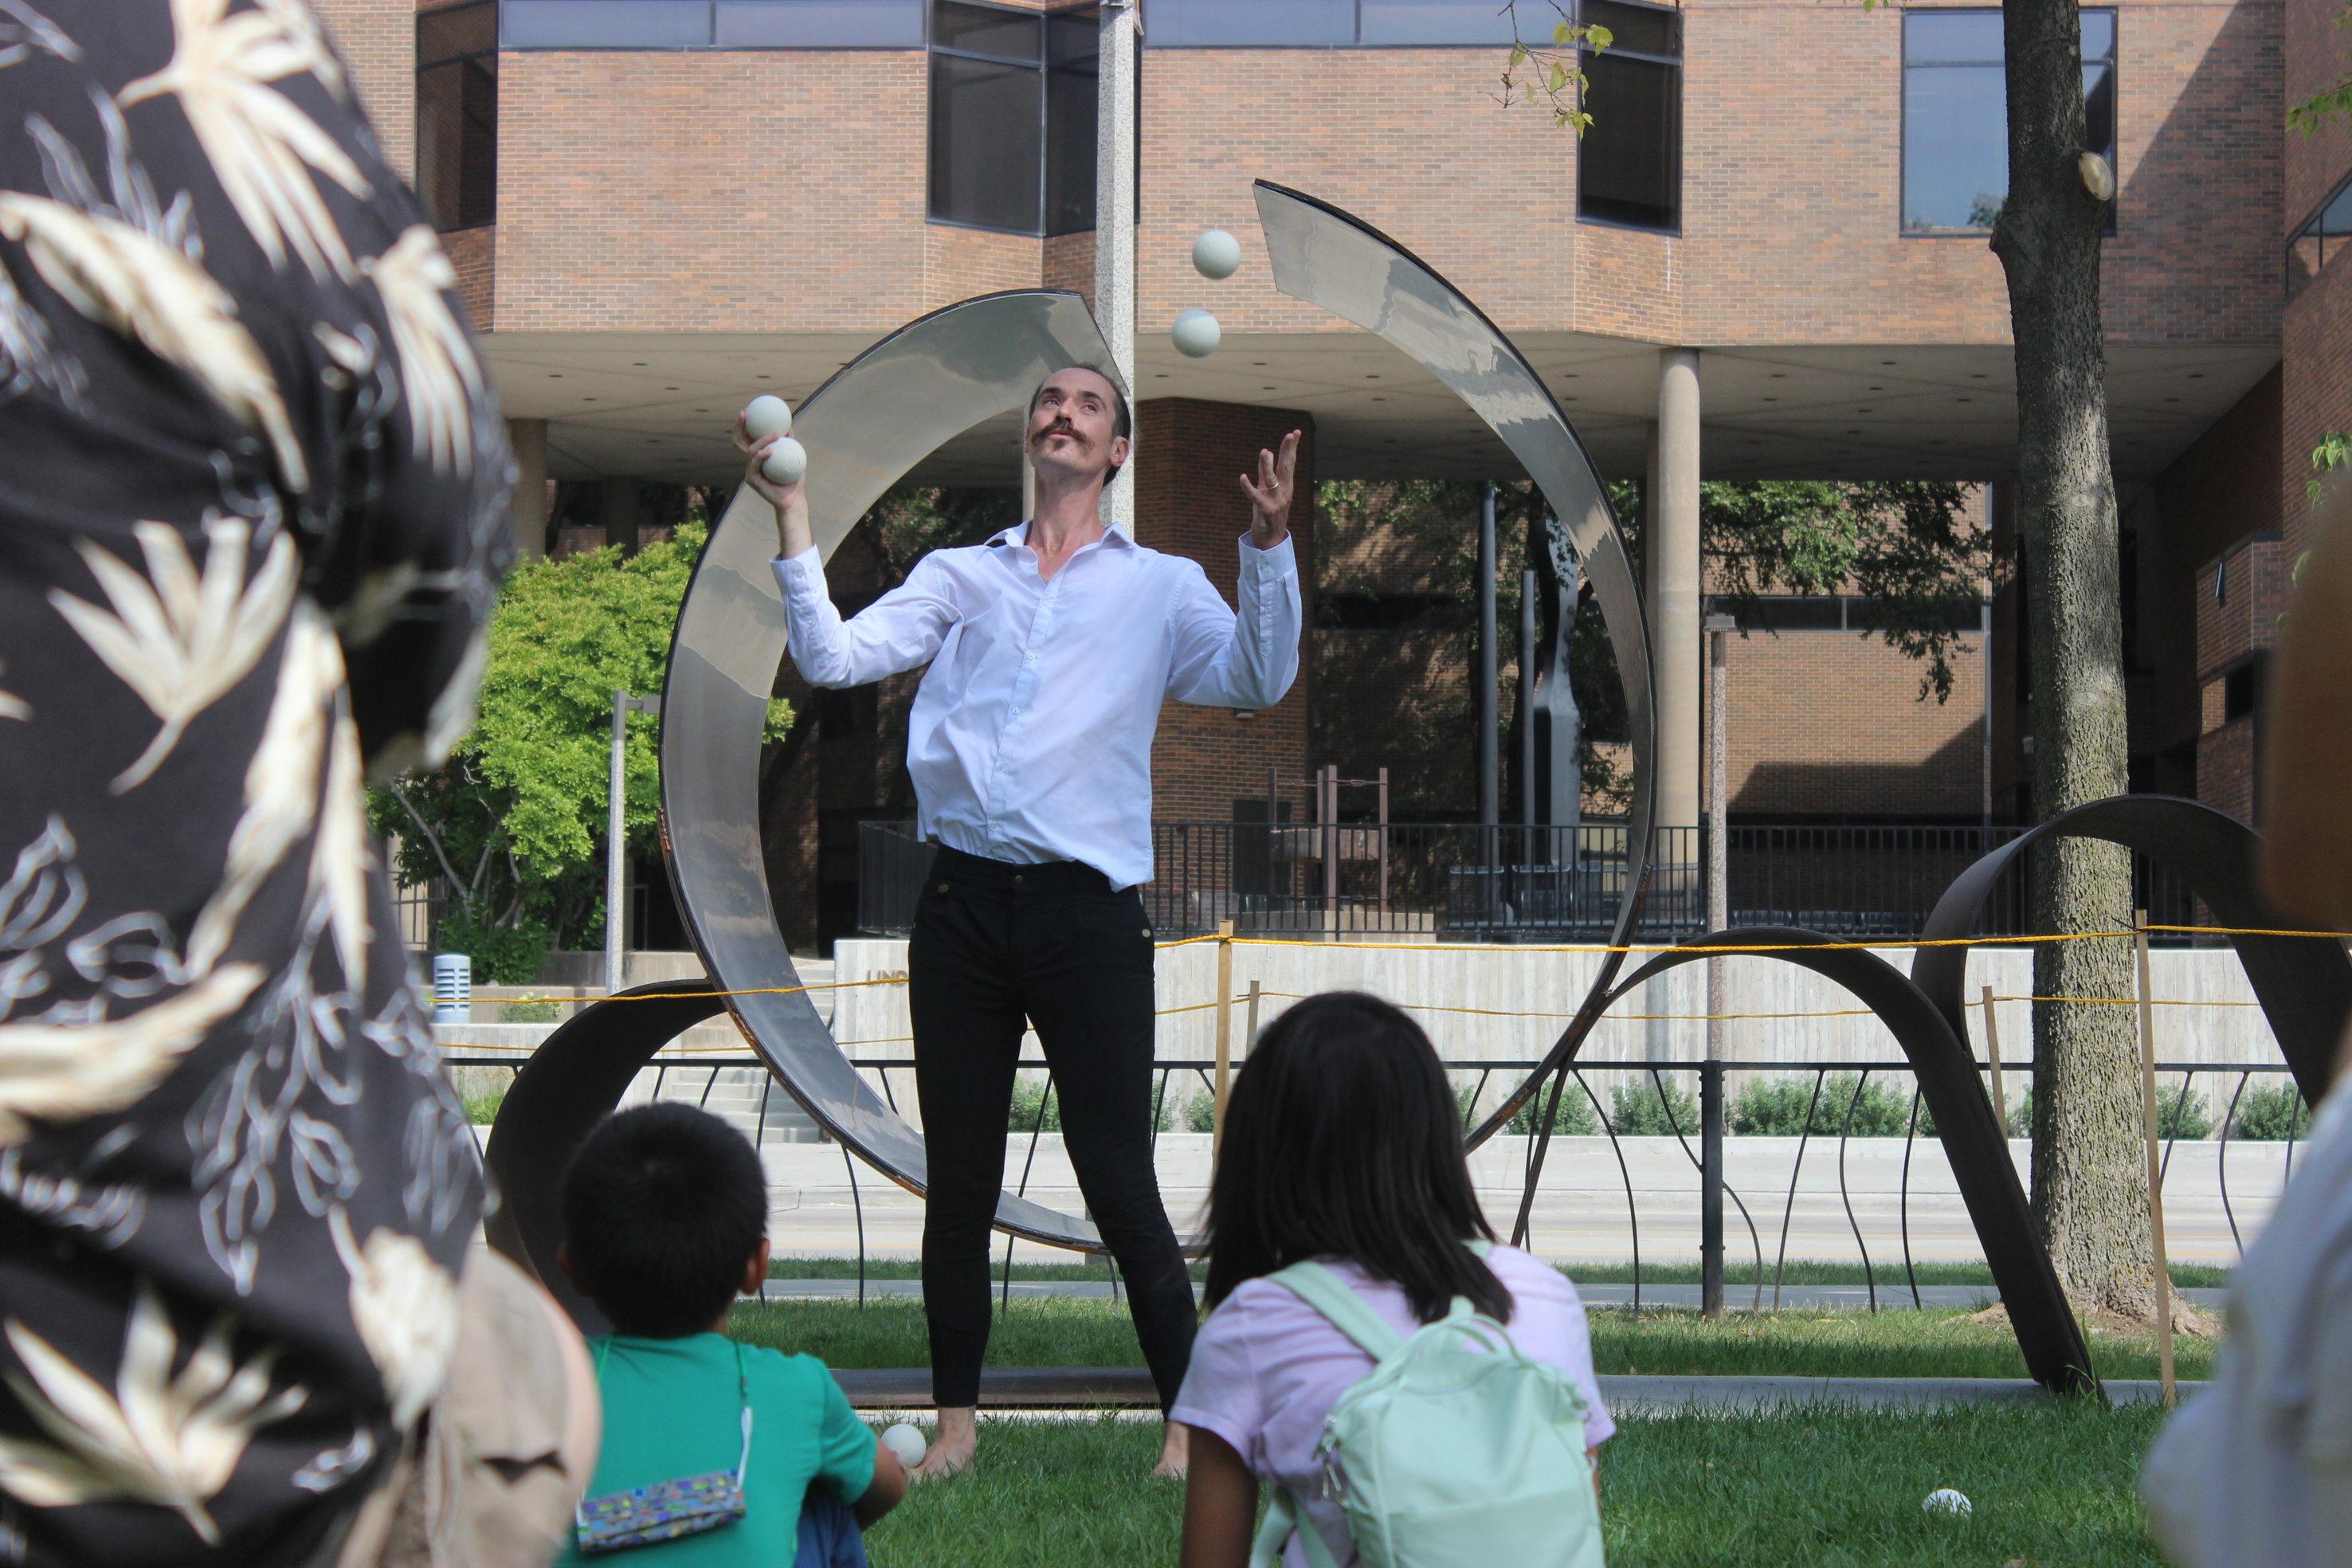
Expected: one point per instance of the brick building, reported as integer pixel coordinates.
(657, 207)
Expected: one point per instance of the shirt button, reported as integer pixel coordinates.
(1017, 877)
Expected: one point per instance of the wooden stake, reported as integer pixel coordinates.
(1249, 1035)
(1992, 1052)
(2155, 1166)
(1225, 1033)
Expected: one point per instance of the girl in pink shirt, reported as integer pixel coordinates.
(1340, 1146)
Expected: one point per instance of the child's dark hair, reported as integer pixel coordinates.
(662, 1206)
(1340, 1138)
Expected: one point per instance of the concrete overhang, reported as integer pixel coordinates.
(659, 406)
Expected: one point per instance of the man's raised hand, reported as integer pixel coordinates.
(793, 535)
(1270, 495)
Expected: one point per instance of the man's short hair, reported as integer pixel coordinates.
(662, 1206)
(1123, 420)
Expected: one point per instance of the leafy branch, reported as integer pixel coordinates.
(1551, 74)
(2333, 102)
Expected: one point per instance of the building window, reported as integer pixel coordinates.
(711, 24)
(1012, 118)
(457, 114)
(2321, 238)
(1956, 115)
(1629, 164)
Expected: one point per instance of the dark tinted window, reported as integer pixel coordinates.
(2319, 241)
(1956, 115)
(985, 30)
(457, 114)
(986, 138)
(1070, 139)
(1629, 165)
(1012, 118)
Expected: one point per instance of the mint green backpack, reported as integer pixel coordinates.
(1446, 1455)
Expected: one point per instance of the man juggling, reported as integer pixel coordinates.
(1051, 646)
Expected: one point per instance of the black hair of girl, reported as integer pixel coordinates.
(1340, 1139)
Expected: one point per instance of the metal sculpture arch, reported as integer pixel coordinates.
(2304, 984)
(886, 412)
(2055, 1352)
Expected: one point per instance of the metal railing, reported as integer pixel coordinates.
(1825, 1132)
(1467, 882)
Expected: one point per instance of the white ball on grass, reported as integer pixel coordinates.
(768, 415)
(906, 1440)
(1217, 253)
(1944, 1500)
(787, 460)
(1196, 334)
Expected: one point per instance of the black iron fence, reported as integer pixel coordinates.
(1468, 882)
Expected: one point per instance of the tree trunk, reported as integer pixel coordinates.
(2090, 1190)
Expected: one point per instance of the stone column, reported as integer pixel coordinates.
(528, 439)
(1114, 151)
(1671, 552)
(617, 500)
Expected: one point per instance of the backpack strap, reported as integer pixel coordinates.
(1282, 1520)
(1341, 1307)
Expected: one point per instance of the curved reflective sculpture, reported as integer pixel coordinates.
(571, 1083)
(875, 418)
(1331, 259)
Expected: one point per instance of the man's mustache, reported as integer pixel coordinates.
(1059, 427)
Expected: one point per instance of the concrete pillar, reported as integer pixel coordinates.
(1114, 151)
(1671, 567)
(528, 439)
(617, 500)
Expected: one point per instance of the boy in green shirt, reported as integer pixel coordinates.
(664, 1222)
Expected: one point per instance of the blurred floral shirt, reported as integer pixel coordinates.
(255, 503)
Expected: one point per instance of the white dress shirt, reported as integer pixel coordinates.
(1031, 736)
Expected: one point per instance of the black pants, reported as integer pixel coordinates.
(998, 947)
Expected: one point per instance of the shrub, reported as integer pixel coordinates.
(502, 956)
(481, 1110)
(1775, 1107)
(2181, 1114)
(2273, 1112)
(1028, 1099)
(1652, 1106)
(1200, 1113)
(1574, 1118)
(530, 1010)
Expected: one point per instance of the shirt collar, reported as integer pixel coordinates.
(1019, 534)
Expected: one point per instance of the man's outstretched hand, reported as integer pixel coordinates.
(1270, 495)
(793, 535)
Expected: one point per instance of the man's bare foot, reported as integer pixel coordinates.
(1175, 1452)
(953, 1446)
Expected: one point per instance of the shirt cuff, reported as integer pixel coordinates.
(1276, 561)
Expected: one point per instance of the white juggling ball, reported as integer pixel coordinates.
(906, 1441)
(1217, 253)
(1196, 334)
(768, 415)
(787, 460)
(1944, 1500)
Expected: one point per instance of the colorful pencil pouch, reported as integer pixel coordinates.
(665, 1510)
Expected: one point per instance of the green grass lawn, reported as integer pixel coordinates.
(1094, 1331)
(1798, 1271)
(1822, 1489)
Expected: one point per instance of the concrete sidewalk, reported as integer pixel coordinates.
(1892, 1295)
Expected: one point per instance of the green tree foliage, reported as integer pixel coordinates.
(1775, 1107)
(2270, 1113)
(1651, 1105)
(514, 823)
